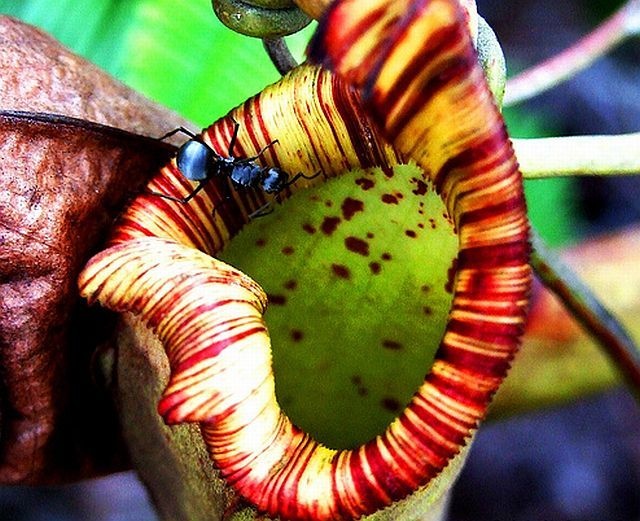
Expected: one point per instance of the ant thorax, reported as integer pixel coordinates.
(246, 174)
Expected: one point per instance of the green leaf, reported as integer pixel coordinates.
(182, 56)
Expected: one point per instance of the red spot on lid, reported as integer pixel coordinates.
(287, 250)
(357, 245)
(390, 404)
(277, 300)
(309, 228)
(329, 225)
(260, 242)
(375, 267)
(341, 271)
(356, 380)
(386, 256)
(296, 335)
(389, 199)
(421, 188)
(410, 233)
(364, 183)
(350, 207)
(291, 284)
(393, 345)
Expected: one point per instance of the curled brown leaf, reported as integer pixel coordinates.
(62, 183)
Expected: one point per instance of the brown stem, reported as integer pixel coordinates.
(280, 54)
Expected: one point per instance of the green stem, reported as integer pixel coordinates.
(579, 155)
(588, 310)
(623, 23)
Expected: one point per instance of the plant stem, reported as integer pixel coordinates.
(623, 23)
(280, 54)
(579, 155)
(588, 310)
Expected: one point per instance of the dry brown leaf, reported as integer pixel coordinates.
(62, 183)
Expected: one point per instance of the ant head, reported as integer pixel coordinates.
(194, 160)
(274, 180)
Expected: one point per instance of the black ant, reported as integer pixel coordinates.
(197, 161)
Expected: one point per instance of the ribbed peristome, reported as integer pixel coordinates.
(415, 74)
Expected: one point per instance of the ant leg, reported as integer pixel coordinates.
(226, 197)
(265, 209)
(183, 200)
(259, 154)
(301, 175)
(265, 148)
(175, 131)
(234, 137)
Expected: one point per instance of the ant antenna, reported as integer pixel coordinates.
(183, 130)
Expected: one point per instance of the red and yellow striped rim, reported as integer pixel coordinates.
(416, 68)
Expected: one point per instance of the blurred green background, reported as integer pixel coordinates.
(174, 51)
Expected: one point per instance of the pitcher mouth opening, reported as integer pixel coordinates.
(209, 315)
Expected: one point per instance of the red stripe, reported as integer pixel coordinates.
(361, 137)
(491, 144)
(466, 395)
(449, 430)
(385, 475)
(451, 71)
(482, 364)
(511, 205)
(432, 456)
(332, 38)
(500, 255)
(341, 509)
(487, 332)
(369, 499)
(215, 349)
